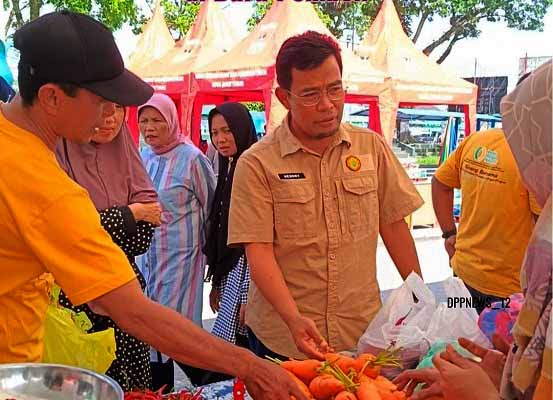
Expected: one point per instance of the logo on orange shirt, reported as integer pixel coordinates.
(353, 163)
(480, 154)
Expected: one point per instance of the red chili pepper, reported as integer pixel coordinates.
(239, 390)
(149, 395)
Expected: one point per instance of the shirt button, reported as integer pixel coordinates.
(327, 193)
(331, 226)
(332, 256)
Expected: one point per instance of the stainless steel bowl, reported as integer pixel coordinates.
(59, 382)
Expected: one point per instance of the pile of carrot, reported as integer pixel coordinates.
(340, 377)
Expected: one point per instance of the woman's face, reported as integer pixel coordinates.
(110, 127)
(222, 137)
(153, 127)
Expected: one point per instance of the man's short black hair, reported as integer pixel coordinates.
(523, 77)
(29, 85)
(303, 52)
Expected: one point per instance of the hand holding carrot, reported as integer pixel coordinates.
(270, 382)
(308, 339)
(429, 377)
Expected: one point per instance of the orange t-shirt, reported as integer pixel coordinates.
(496, 213)
(49, 230)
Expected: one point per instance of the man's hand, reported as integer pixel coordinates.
(148, 212)
(429, 377)
(449, 244)
(214, 299)
(308, 338)
(493, 361)
(456, 371)
(267, 381)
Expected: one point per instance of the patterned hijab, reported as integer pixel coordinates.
(527, 118)
(112, 173)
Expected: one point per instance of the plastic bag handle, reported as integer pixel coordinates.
(417, 286)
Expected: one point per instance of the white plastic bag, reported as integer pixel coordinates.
(415, 326)
(449, 324)
(402, 322)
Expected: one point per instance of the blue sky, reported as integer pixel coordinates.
(497, 50)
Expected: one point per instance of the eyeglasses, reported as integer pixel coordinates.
(312, 98)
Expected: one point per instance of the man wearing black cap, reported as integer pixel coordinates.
(70, 72)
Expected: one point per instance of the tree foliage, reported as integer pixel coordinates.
(180, 14)
(463, 16)
(113, 13)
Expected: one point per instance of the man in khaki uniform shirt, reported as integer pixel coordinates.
(308, 203)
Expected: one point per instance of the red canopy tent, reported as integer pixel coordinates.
(414, 79)
(247, 72)
(210, 36)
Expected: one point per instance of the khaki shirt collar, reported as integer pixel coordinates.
(290, 144)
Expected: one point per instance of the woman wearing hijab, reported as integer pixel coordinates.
(182, 175)
(525, 374)
(232, 132)
(110, 169)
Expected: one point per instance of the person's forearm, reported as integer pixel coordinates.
(401, 247)
(182, 340)
(442, 201)
(267, 276)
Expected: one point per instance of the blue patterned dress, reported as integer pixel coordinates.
(174, 266)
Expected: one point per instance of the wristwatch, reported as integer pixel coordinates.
(450, 233)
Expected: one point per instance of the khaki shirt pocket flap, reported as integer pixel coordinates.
(360, 184)
(294, 194)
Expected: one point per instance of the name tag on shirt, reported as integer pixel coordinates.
(291, 175)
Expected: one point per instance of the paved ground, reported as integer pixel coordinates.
(434, 266)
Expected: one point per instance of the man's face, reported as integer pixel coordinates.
(311, 118)
(79, 115)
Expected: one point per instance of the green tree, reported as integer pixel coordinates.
(463, 17)
(113, 13)
(255, 105)
(180, 14)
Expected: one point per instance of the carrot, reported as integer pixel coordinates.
(385, 384)
(306, 370)
(363, 360)
(325, 386)
(345, 363)
(345, 395)
(303, 387)
(372, 372)
(367, 391)
(387, 396)
(401, 395)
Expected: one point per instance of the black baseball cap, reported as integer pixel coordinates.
(68, 47)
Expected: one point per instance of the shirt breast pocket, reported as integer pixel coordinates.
(358, 202)
(294, 206)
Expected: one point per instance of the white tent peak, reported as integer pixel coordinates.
(154, 41)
